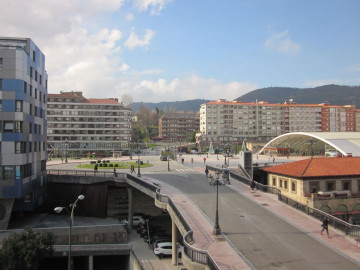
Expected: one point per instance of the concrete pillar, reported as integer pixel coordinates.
(130, 207)
(174, 258)
(91, 262)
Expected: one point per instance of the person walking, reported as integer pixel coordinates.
(204, 159)
(206, 172)
(252, 185)
(95, 169)
(325, 226)
(132, 169)
(115, 174)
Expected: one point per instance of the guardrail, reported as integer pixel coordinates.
(195, 254)
(347, 228)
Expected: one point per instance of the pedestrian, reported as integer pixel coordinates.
(62, 160)
(273, 159)
(95, 168)
(204, 159)
(325, 226)
(115, 174)
(206, 172)
(132, 169)
(252, 185)
(192, 160)
(182, 160)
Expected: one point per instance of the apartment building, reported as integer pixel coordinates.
(224, 121)
(78, 126)
(231, 121)
(179, 125)
(23, 91)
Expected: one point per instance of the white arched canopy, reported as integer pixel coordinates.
(315, 143)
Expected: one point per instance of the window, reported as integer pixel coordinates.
(30, 90)
(36, 93)
(0, 105)
(285, 184)
(346, 185)
(1, 84)
(314, 187)
(18, 126)
(17, 147)
(8, 172)
(274, 181)
(18, 106)
(36, 75)
(330, 186)
(34, 56)
(31, 72)
(8, 126)
(281, 183)
(1, 63)
(25, 87)
(40, 79)
(293, 186)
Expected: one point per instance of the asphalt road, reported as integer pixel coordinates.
(266, 240)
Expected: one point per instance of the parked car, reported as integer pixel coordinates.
(137, 220)
(165, 249)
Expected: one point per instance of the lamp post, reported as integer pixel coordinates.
(217, 183)
(71, 220)
(168, 158)
(66, 146)
(138, 174)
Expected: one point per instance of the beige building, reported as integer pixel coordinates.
(329, 184)
(232, 121)
(177, 126)
(79, 126)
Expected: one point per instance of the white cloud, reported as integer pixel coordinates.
(282, 43)
(134, 41)
(155, 6)
(193, 87)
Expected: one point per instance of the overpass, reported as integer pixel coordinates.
(186, 219)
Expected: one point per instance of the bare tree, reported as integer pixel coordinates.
(127, 100)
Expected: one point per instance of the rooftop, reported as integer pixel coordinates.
(318, 167)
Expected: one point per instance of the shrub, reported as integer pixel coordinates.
(104, 161)
(93, 162)
(108, 161)
(105, 164)
(116, 165)
(111, 165)
(99, 161)
(100, 165)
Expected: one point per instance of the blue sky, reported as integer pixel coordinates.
(168, 50)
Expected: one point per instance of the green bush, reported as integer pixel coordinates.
(111, 165)
(105, 164)
(116, 165)
(100, 165)
(99, 161)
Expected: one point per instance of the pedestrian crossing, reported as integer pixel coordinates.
(184, 170)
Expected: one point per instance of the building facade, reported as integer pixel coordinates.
(224, 121)
(177, 126)
(23, 92)
(329, 184)
(78, 126)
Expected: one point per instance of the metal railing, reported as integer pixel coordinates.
(195, 254)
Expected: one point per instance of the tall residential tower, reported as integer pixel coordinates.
(23, 93)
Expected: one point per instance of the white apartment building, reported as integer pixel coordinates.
(78, 126)
(232, 121)
(224, 121)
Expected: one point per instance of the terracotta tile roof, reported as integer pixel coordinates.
(318, 167)
(103, 100)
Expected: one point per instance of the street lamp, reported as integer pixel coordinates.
(168, 158)
(66, 146)
(71, 220)
(138, 174)
(217, 183)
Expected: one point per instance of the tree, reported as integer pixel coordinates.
(23, 251)
(127, 101)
